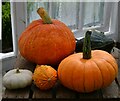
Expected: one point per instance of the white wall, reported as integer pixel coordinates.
(119, 21)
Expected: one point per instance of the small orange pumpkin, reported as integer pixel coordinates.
(46, 41)
(88, 71)
(44, 77)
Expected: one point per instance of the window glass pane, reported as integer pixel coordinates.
(93, 13)
(66, 12)
(32, 10)
(7, 45)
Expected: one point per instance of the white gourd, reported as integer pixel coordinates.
(17, 78)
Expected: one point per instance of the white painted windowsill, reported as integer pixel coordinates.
(6, 55)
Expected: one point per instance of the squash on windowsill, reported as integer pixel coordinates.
(98, 41)
(17, 78)
(44, 77)
(89, 70)
(46, 41)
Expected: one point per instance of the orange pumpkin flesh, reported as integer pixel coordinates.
(44, 77)
(87, 75)
(46, 43)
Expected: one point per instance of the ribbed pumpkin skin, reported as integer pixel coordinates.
(84, 75)
(44, 77)
(46, 43)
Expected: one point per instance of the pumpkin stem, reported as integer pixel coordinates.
(17, 70)
(44, 15)
(87, 45)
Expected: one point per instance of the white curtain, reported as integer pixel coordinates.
(68, 12)
(93, 13)
(32, 10)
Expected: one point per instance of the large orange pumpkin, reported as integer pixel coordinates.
(44, 77)
(88, 71)
(46, 41)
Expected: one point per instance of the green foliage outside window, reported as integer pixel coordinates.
(7, 45)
